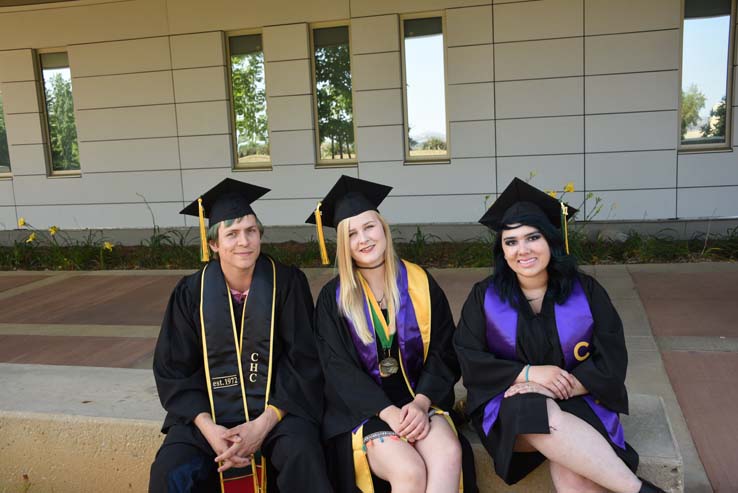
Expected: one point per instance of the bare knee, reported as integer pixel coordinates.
(409, 477)
(446, 458)
(555, 415)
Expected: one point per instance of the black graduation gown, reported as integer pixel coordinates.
(485, 375)
(297, 382)
(352, 395)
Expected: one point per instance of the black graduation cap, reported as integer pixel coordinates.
(521, 200)
(229, 199)
(348, 197)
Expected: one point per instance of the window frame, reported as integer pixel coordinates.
(6, 174)
(332, 163)
(235, 164)
(46, 131)
(731, 67)
(445, 159)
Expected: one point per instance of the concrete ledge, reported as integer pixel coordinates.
(75, 454)
(78, 429)
(647, 429)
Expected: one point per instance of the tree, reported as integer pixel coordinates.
(249, 102)
(335, 113)
(715, 125)
(434, 144)
(62, 127)
(692, 103)
(4, 154)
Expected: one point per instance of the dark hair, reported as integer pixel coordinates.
(562, 268)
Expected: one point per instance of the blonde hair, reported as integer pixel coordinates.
(351, 301)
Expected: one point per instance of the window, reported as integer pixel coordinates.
(248, 93)
(4, 154)
(333, 99)
(61, 128)
(706, 73)
(425, 89)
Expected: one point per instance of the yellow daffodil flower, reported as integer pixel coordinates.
(53, 230)
(108, 246)
(31, 238)
(21, 222)
(552, 193)
(569, 187)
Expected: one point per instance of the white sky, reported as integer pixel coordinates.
(425, 79)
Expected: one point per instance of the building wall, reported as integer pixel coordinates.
(572, 90)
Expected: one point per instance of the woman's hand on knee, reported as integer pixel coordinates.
(392, 415)
(555, 379)
(529, 388)
(415, 423)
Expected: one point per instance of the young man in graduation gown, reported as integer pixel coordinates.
(236, 365)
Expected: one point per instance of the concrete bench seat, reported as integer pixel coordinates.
(80, 430)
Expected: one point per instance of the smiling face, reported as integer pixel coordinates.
(239, 244)
(526, 251)
(367, 240)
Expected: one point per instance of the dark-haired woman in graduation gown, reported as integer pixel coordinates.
(543, 356)
(384, 330)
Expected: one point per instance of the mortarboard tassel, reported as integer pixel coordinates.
(321, 238)
(564, 223)
(204, 252)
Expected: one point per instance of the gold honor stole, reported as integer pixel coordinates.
(414, 288)
(232, 367)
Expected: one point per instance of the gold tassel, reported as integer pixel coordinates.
(565, 221)
(204, 252)
(321, 238)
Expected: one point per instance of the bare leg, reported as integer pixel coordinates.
(441, 453)
(576, 446)
(398, 463)
(566, 480)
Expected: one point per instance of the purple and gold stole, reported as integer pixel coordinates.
(413, 332)
(412, 325)
(238, 363)
(574, 323)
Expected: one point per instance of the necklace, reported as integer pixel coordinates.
(380, 264)
(380, 300)
(534, 299)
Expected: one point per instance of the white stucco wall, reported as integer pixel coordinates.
(575, 90)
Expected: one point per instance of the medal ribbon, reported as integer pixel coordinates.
(379, 324)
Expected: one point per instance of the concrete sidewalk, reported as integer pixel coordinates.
(110, 319)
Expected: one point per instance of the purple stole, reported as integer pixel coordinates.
(574, 323)
(408, 333)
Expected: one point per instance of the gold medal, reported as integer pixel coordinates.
(388, 367)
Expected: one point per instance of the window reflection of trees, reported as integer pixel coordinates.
(4, 151)
(706, 61)
(333, 93)
(62, 126)
(249, 106)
